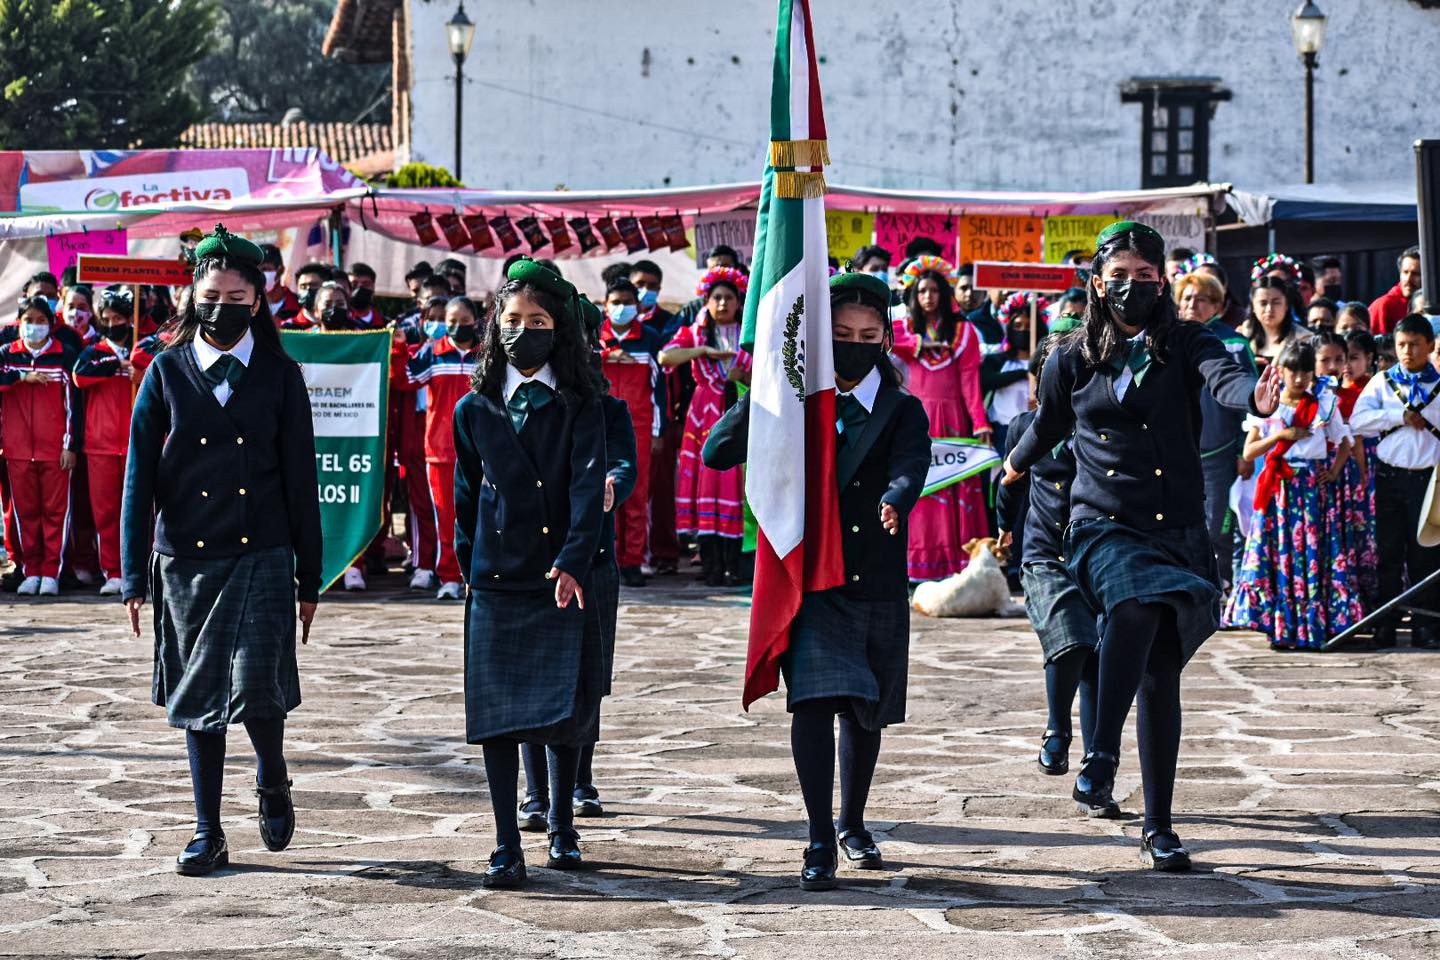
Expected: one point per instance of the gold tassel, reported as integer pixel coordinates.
(790, 185)
(799, 153)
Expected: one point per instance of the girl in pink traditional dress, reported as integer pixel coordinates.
(941, 351)
(709, 503)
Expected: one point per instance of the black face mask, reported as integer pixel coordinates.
(223, 323)
(527, 348)
(307, 298)
(463, 334)
(336, 317)
(362, 298)
(1333, 291)
(854, 360)
(120, 333)
(1133, 301)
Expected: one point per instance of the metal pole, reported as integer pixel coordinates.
(459, 95)
(1310, 118)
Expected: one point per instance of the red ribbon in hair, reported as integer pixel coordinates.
(1277, 469)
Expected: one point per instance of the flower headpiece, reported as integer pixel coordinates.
(1019, 304)
(1201, 259)
(725, 276)
(926, 264)
(1269, 263)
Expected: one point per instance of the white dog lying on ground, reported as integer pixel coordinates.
(980, 590)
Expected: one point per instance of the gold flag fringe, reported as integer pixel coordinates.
(799, 153)
(790, 185)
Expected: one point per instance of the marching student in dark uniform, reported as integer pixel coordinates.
(222, 451)
(529, 506)
(849, 647)
(1066, 625)
(621, 477)
(1128, 385)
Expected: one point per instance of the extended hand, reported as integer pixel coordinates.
(133, 605)
(67, 460)
(1267, 391)
(609, 494)
(890, 518)
(307, 617)
(1414, 419)
(566, 588)
(1011, 474)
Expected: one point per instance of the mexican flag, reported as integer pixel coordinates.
(790, 472)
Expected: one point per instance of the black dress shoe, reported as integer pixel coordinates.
(1161, 850)
(277, 816)
(1094, 785)
(820, 866)
(1055, 753)
(534, 815)
(632, 577)
(585, 802)
(506, 870)
(204, 855)
(860, 849)
(10, 582)
(565, 850)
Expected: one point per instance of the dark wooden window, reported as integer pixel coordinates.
(1175, 132)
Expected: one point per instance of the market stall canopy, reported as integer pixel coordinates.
(1392, 201)
(155, 193)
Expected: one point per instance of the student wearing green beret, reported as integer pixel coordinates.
(849, 646)
(222, 456)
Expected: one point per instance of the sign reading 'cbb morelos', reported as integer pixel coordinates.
(953, 459)
(990, 275)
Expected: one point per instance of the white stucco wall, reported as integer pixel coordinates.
(945, 94)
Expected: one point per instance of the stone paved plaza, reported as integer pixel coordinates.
(1308, 795)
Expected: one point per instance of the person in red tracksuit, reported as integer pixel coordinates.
(43, 420)
(628, 348)
(444, 366)
(107, 372)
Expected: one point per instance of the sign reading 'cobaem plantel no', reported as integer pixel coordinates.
(91, 268)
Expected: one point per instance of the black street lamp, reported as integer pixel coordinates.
(1307, 27)
(459, 34)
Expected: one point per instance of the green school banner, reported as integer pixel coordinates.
(953, 459)
(348, 376)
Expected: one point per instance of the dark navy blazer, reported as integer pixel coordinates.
(530, 501)
(221, 480)
(887, 464)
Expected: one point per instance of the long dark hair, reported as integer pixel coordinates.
(262, 324)
(569, 361)
(846, 296)
(1101, 338)
(949, 311)
(1254, 329)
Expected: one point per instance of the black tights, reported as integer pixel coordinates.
(812, 741)
(1075, 669)
(207, 767)
(1140, 654)
(553, 766)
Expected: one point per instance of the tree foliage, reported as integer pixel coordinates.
(414, 175)
(265, 59)
(99, 74)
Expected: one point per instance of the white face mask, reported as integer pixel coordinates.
(270, 276)
(34, 333)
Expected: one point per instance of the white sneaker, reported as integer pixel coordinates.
(112, 587)
(646, 569)
(29, 586)
(451, 591)
(87, 577)
(354, 579)
(423, 580)
(49, 587)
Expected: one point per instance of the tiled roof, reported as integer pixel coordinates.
(360, 31)
(366, 148)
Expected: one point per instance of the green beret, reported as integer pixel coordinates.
(223, 243)
(1128, 226)
(869, 286)
(526, 270)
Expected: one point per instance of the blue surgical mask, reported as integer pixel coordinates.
(648, 298)
(54, 304)
(884, 276)
(434, 329)
(622, 313)
(34, 332)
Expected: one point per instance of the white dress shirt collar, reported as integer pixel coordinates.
(513, 379)
(866, 390)
(205, 354)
